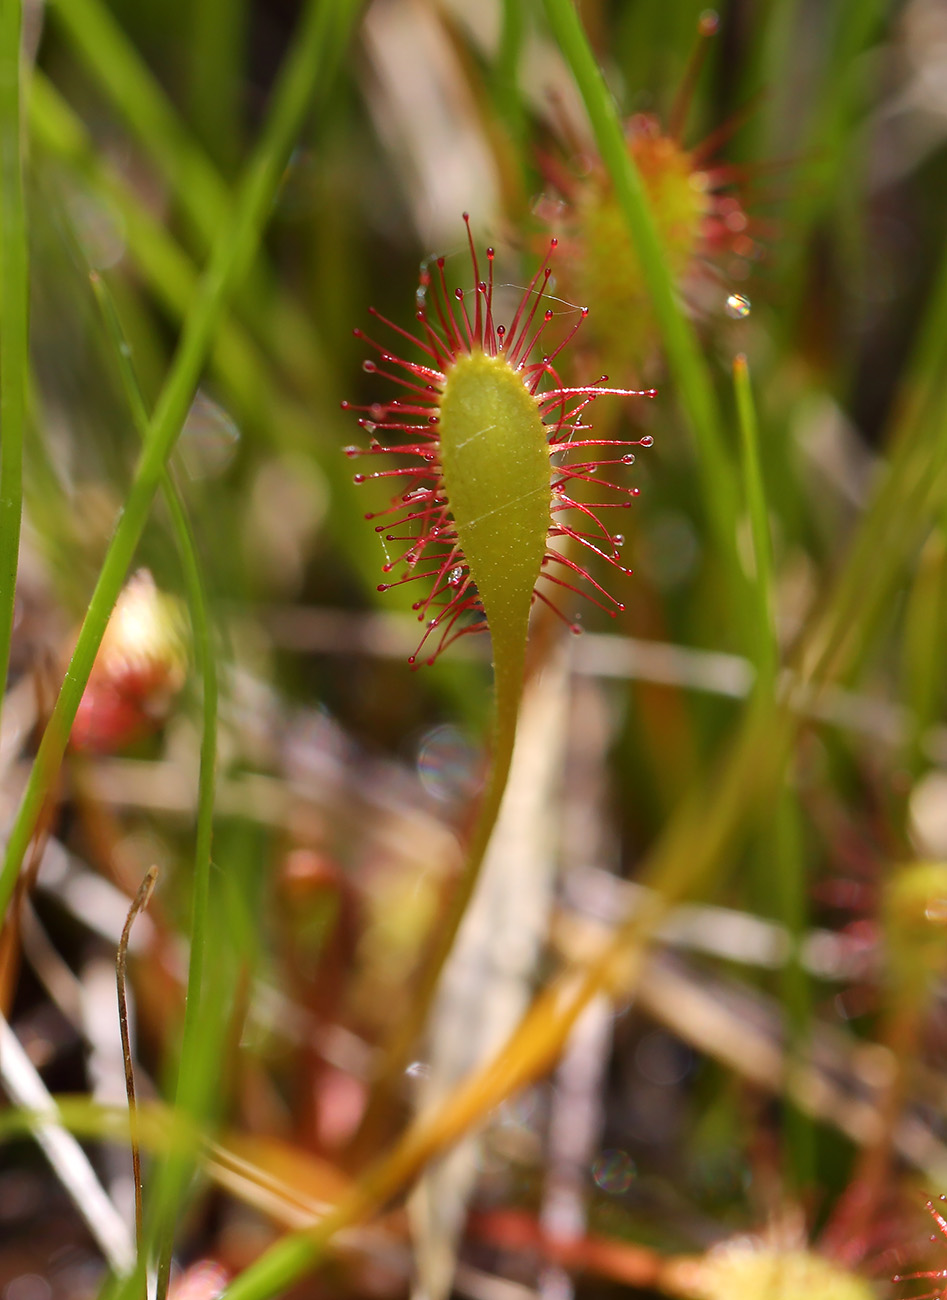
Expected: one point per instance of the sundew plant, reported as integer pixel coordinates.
(473, 738)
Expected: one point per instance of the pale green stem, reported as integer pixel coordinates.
(509, 667)
(14, 322)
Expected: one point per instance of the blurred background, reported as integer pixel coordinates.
(776, 1074)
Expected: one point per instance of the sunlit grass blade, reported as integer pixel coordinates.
(168, 271)
(197, 186)
(143, 107)
(237, 359)
(319, 37)
(14, 318)
(830, 166)
(781, 872)
(206, 660)
(689, 370)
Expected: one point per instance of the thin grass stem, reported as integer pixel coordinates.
(319, 41)
(205, 657)
(139, 903)
(199, 189)
(218, 38)
(754, 493)
(506, 71)
(688, 367)
(780, 839)
(14, 321)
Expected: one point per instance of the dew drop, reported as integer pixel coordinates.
(209, 439)
(100, 230)
(353, 451)
(738, 306)
(369, 367)
(358, 478)
(636, 492)
(456, 576)
(646, 441)
(628, 458)
(448, 765)
(618, 540)
(368, 425)
(613, 1172)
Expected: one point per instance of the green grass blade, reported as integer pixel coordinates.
(14, 321)
(687, 365)
(755, 497)
(781, 874)
(320, 37)
(206, 663)
(142, 105)
(196, 185)
(168, 271)
(217, 48)
(506, 86)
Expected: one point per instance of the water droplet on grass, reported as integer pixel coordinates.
(209, 439)
(614, 1171)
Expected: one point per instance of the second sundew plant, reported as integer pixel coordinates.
(494, 466)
